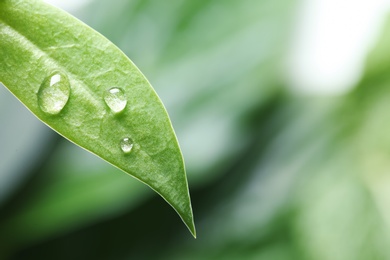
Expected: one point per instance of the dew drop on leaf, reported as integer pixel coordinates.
(126, 145)
(115, 99)
(53, 93)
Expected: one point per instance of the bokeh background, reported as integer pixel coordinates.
(282, 110)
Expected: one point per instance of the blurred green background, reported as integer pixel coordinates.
(280, 166)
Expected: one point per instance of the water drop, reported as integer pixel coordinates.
(126, 145)
(53, 93)
(115, 99)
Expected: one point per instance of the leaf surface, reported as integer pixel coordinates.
(62, 70)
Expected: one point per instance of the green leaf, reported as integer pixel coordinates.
(62, 71)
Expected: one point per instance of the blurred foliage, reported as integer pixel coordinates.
(273, 175)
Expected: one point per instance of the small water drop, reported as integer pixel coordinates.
(53, 93)
(115, 99)
(126, 145)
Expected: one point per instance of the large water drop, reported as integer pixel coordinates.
(54, 93)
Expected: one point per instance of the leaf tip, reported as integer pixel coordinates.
(192, 229)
